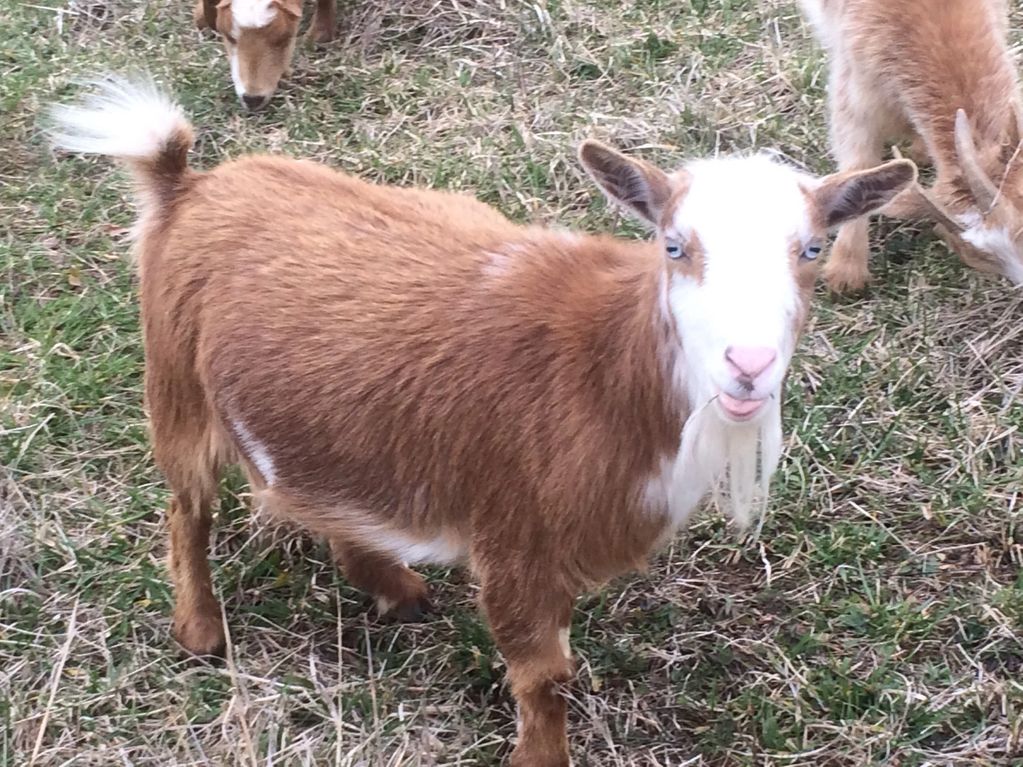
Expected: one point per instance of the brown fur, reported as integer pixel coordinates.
(900, 69)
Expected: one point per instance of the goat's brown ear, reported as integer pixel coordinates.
(844, 196)
(638, 186)
(292, 7)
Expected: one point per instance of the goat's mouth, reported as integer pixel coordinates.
(739, 409)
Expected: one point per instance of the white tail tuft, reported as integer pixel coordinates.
(126, 118)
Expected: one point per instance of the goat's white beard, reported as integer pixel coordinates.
(733, 461)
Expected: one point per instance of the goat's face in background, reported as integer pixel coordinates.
(259, 39)
(740, 238)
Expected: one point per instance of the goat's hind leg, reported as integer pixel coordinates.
(199, 15)
(188, 450)
(399, 591)
(190, 463)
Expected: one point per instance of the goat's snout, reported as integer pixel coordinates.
(747, 363)
(254, 103)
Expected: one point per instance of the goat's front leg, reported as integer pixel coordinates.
(530, 623)
(324, 21)
(857, 145)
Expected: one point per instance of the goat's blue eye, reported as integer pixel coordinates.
(811, 252)
(674, 249)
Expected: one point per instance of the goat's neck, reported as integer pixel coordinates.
(631, 347)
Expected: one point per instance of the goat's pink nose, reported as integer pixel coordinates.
(749, 361)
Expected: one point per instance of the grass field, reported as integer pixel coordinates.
(878, 618)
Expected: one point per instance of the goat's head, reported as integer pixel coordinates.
(980, 215)
(259, 38)
(741, 238)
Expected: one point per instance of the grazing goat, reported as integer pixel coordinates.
(417, 379)
(938, 72)
(259, 39)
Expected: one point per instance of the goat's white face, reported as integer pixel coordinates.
(750, 223)
(740, 238)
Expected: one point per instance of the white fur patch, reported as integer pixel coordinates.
(441, 550)
(253, 14)
(825, 25)
(662, 496)
(255, 451)
(747, 214)
(566, 648)
(236, 75)
(998, 243)
(734, 462)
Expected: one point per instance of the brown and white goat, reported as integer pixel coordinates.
(417, 379)
(259, 39)
(939, 73)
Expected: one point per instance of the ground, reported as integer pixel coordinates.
(877, 619)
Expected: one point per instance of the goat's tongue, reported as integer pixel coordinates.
(739, 407)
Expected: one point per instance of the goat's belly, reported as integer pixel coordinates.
(351, 500)
(375, 531)
(412, 549)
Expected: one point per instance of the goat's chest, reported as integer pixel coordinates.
(674, 491)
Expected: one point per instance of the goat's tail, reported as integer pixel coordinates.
(132, 120)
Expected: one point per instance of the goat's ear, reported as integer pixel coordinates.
(292, 7)
(638, 186)
(844, 196)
